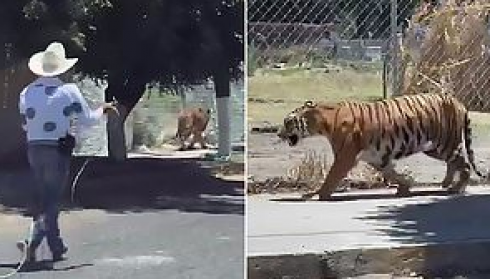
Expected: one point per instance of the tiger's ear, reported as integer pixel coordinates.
(310, 104)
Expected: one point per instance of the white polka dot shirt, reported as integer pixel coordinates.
(47, 105)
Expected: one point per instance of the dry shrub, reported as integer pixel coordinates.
(455, 48)
(309, 174)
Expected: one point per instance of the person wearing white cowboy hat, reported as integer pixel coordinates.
(52, 111)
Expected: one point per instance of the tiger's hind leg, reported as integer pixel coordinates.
(449, 178)
(450, 169)
(455, 164)
(460, 165)
(403, 182)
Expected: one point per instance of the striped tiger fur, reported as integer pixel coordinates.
(383, 131)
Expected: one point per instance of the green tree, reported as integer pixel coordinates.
(26, 26)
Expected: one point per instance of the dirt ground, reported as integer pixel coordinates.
(269, 160)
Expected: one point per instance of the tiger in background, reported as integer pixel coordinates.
(383, 131)
(192, 122)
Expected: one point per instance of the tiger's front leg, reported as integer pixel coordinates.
(201, 140)
(338, 171)
(342, 164)
(182, 144)
(192, 144)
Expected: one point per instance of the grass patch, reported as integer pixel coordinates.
(280, 91)
(480, 124)
(284, 90)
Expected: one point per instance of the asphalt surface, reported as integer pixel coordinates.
(164, 244)
(145, 218)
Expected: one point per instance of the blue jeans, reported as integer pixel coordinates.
(51, 173)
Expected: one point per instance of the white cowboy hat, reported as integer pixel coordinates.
(51, 62)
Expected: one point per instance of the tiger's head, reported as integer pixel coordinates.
(296, 124)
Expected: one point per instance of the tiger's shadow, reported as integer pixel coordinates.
(340, 197)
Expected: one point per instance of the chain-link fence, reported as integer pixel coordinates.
(407, 46)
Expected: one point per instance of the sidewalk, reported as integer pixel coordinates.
(284, 233)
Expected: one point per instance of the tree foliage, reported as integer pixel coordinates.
(163, 42)
(30, 25)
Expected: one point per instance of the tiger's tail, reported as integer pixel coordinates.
(467, 141)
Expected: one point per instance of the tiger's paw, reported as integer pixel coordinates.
(308, 196)
(324, 198)
(403, 193)
(455, 191)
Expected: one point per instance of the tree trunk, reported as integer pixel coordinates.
(116, 137)
(128, 96)
(222, 87)
(183, 98)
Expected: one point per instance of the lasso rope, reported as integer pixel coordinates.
(17, 270)
(75, 180)
(23, 259)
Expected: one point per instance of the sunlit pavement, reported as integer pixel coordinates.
(282, 225)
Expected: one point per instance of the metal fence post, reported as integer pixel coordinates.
(395, 47)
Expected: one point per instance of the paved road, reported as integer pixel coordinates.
(168, 243)
(145, 218)
(280, 225)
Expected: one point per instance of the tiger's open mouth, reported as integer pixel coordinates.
(293, 139)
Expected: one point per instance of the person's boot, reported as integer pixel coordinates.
(58, 256)
(30, 252)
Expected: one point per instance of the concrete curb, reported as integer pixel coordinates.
(429, 261)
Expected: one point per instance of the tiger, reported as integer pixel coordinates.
(380, 132)
(192, 122)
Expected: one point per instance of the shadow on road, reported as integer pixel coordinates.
(136, 185)
(44, 265)
(364, 196)
(459, 224)
(439, 220)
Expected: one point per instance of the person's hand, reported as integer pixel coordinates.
(110, 107)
